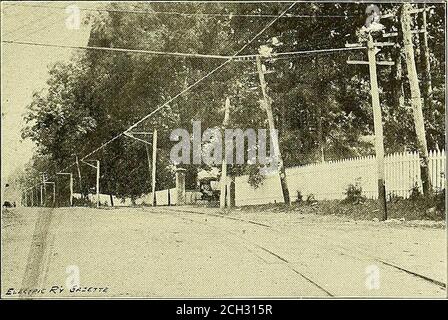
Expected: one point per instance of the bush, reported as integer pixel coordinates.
(439, 199)
(310, 199)
(354, 194)
(415, 192)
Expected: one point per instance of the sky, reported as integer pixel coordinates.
(24, 68)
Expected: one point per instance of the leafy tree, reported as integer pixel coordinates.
(321, 105)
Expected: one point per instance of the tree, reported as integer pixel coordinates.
(320, 105)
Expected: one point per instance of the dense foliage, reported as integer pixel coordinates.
(321, 104)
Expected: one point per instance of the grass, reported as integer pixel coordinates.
(409, 209)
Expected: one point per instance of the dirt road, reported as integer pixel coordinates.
(196, 252)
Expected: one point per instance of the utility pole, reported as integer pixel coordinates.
(71, 190)
(425, 60)
(44, 189)
(154, 161)
(372, 50)
(268, 107)
(223, 183)
(97, 183)
(54, 193)
(378, 127)
(416, 101)
(41, 195)
(427, 81)
(426, 54)
(148, 156)
(79, 174)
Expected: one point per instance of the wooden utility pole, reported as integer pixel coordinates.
(154, 160)
(378, 127)
(41, 195)
(426, 79)
(79, 174)
(44, 189)
(148, 156)
(71, 190)
(97, 183)
(267, 105)
(372, 50)
(225, 123)
(416, 101)
(427, 92)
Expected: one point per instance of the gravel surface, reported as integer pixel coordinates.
(198, 252)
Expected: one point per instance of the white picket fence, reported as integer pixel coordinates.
(330, 180)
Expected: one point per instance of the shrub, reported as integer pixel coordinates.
(354, 194)
(415, 192)
(310, 199)
(439, 198)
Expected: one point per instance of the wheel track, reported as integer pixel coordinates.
(345, 250)
(273, 254)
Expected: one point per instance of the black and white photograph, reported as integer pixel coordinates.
(179, 150)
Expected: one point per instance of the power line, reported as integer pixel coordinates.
(213, 71)
(198, 81)
(189, 87)
(179, 54)
(186, 14)
(175, 97)
(125, 50)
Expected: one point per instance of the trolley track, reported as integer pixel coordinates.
(340, 248)
(273, 254)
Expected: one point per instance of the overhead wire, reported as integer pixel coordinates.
(183, 91)
(188, 14)
(192, 85)
(124, 50)
(228, 60)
